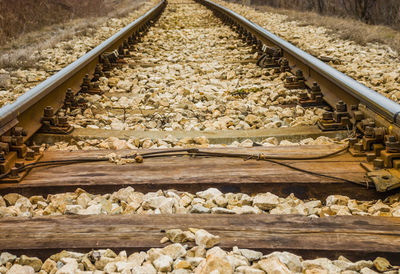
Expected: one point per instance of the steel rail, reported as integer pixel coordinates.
(24, 111)
(317, 69)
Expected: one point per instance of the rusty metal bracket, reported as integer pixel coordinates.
(90, 87)
(312, 99)
(295, 82)
(73, 101)
(55, 124)
(14, 153)
(385, 180)
(336, 120)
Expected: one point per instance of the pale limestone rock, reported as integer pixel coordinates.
(246, 143)
(266, 201)
(293, 262)
(34, 262)
(214, 264)
(367, 271)
(6, 257)
(163, 263)
(179, 236)
(147, 268)
(237, 260)
(197, 208)
(174, 251)
(124, 84)
(72, 209)
(68, 268)
(181, 264)
(19, 269)
(196, 251)
(137, 258)
(248, 270)
(206, 239)
(12, 198)
(186, 199)
(2, 201)
(337, 200)
(251, 255)
(201, 140)
(246, 210)
(379, 207)
(209, 194)
(110, 267)
(83, 200)
(23, 204)
(322, 263)
(123, 194)
(91, 210)
(153, 254)
(382, 264)
(273, 265)
(221, 210)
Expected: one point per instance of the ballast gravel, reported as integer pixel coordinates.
(115, 143)
(14, 83)
(204, 258)
(210, 201)
(375, 65)
(191, 72)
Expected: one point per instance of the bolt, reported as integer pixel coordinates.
(378, 164)
(48, 111)
(19, 164)
(371, 157)
(303, 96)
(69, 95)
(352, 141)
(299, 74)
(369, 132)
(358, 147)
(30, 154)
(36, 149)
(315, 87)
(327, 116)
(392, 145)
(341, 106)
(14, 173)
(86, 79)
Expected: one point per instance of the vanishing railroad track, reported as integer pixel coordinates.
(193, 78)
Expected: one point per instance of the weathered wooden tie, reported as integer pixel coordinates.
(195, 174)
(353, 236)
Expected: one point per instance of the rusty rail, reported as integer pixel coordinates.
(27, 110)
(334, 84)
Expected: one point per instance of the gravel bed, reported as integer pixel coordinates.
(375, 65)
(205, 257)
(13, 83)
(128, 201)
(191, 72)
(172, 142)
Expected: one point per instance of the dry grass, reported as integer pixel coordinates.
(17, 52)
(346, 28)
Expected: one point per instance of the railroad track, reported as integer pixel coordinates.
(179, 79)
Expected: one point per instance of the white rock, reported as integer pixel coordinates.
(266, 201)
(209, 194)
(251, 255)
(163, 263)
(206, 239)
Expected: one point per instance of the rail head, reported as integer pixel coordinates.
(378, 103)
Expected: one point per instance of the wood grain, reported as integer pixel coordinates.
(195, 174)
(353, 236)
